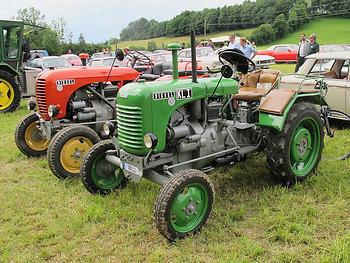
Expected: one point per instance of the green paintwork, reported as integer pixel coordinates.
(277, 121)
(305, 147)
(12, 64)
(174, 47)
(139, 113)
(189, 208)
(107, 181)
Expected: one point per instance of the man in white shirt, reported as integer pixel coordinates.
(302, 51)
(233, 44)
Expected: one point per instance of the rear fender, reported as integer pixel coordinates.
(276, 122)
(9, 69)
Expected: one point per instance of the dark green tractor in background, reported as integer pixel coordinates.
(14, 51)
(173, 132)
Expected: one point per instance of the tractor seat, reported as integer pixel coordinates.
(155, 72)
(277, 101)
(183, 73)
(251, 83)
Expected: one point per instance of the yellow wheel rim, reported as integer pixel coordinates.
(7, 94)
(35, 139)
(73, 152)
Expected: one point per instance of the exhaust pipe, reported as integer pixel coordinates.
(194, 57)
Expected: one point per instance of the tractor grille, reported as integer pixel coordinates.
(130, 127)
(41, 96)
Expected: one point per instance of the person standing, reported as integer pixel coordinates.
(302, 51)
(233, 44)
(314, 47)
(210, 44)
(247, 49)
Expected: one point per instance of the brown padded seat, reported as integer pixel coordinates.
(331, 75)
(276, 101)
(249, 90)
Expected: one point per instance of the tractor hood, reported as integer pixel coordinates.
(55, 87)
(147, 107)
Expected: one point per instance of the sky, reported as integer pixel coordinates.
(101, 20)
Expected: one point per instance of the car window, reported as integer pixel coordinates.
(55, 63)
(96, 63)
(344, 73)
(281, 49)
(321, 66)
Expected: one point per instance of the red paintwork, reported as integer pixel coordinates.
(82, 76)
(280, 56)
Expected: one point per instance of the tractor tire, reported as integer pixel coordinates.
(68, 148)
(29, 138)
(294, 153)
(184, 204)
(97, 174)
(10, 92)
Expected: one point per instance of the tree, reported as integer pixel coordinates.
(51, 42)
(280, 25)
(31, 16)
(151, 46)
(59, 25)
(264, 34)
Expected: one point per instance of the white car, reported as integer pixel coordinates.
(208, 57)
(103, 62)
(334, 67)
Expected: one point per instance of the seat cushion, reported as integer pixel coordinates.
(276, 101)
(249, 94)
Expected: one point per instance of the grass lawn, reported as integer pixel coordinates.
(330, 30)
(43, 219)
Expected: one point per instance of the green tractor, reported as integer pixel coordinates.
(13, 53)
(173, 132)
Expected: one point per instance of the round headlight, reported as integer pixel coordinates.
(150, 140)
(108, 128)
(53, 111)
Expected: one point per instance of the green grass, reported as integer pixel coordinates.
(164, 41)
(43, 219)
(331, 30)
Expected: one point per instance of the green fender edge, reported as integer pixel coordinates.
(277, 121)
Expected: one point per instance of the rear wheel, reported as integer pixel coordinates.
(97, 174)
(183, 204)
(10, 93)
(294, 153)
(29, 138)
(68, 148)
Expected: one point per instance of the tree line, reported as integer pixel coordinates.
(280, 15)
(53, 36)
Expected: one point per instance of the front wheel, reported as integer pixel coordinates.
(97, 174)
(29, 138)
(68, 148)
(183, 204)
(294, 153)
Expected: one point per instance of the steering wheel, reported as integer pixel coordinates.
(137, 56)
(237, 58)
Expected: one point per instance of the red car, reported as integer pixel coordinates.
(74, 60)
(282, 53)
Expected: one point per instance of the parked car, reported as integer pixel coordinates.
(103, 62)
(209, 58)
(102, 55)
(282, 53)
(334, 67)
(49, 62)
(38, 53)
(73, 59)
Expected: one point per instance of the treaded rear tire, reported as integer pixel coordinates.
(58, 142)
(167, 195)
(278, 149)
(20, 131)
(16, 89)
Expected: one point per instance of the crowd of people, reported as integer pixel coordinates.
(306, 47)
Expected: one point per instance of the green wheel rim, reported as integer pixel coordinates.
(305, 147)
(189, 208)
(105, 175)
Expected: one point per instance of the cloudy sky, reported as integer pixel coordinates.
(101, 20)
